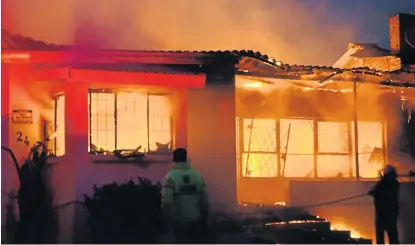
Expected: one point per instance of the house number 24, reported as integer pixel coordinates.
(22, 138)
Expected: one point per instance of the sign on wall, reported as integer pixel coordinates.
(22, 116)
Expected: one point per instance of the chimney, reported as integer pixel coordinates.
(402, 37)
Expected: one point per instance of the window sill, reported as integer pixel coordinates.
(150, 158)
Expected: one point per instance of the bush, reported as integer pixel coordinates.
(125, 213)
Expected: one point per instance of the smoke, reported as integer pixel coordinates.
(290, 30)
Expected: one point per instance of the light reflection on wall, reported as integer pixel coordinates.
(60, 126)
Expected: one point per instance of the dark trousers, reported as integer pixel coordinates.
(188, 232)
(390, 226)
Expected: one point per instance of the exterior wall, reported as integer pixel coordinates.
(19, 93)
(82, 171)
(193, 130)
(74, 174)
(211, 141)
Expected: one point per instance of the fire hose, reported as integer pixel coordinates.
(330, 202)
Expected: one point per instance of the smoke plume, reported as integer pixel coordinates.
(290, 30)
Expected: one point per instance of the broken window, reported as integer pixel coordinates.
(259, 157)
(130, 120)
(297, 148)
(58, 136)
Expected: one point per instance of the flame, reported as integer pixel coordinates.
(343, 227)
(252, 85)
(333, 140)
(53, 135)
(280, 203)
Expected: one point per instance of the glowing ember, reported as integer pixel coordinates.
(252, 85)
(343, 227)
(280, 203)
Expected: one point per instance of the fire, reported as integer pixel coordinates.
(343, 227)
(252, 85)
(53, 135)
(297, 137)
(280, 203)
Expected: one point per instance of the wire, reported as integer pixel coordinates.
(67, 204)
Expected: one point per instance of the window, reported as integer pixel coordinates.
(58, 136)
(371, 158)
(297, 148)
(160, 122)
(332, 137)
(333, 151)
(130, 120)
(102, 121)
(304, 152)
(259, 157)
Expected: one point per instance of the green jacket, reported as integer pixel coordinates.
(184, 194)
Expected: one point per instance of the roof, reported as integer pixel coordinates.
(369, 50)
(12, 42)
(17, 42)
(249, 62)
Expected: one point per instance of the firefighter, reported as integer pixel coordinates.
(385, 194)
(185, 201)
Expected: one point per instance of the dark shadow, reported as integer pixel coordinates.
(37, 221)
(11, 221)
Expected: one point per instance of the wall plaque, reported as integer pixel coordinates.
(22, 116)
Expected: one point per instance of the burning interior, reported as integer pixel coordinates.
(301, 126)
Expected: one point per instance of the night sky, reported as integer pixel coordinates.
(370, 17)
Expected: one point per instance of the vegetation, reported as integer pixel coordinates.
(125, 213)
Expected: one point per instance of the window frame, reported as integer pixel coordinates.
(148, 95)
(55, 123)
(241, 136)
(279, 150)
(318, 153)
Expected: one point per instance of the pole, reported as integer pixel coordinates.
(356, 137)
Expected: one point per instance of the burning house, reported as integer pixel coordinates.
(260, 130)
